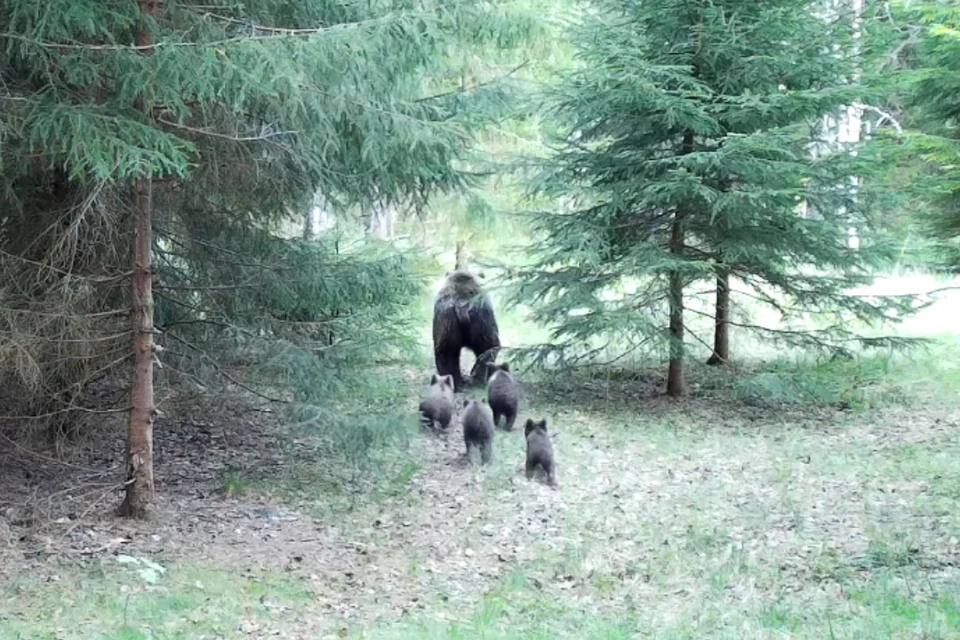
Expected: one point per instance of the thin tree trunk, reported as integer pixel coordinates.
(721, 329)
(676, 383)
(143, 413)
(381, 221)
(309, 225)
(318, 219)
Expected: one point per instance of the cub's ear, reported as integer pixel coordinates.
(505, 366)
(433, 379)
(543, 424)
(528, 424)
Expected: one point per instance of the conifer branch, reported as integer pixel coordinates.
(204, 12)
(213, 362)
(264, 134)
(168, 44)
(480, 85)
(884, 116)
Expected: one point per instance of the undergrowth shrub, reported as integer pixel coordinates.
(856, 383)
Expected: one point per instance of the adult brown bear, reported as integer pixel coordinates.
(463, 318)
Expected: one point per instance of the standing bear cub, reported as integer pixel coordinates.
(463, 318)
(478, 429)
(540, 450)
(503, 394)
(439, 406)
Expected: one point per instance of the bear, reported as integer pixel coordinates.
(439, 406)
(539, 450)
(503, 394)
(477, 422)
(463, 317)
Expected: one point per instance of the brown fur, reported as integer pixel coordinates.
(477, 422)
(463, 317)
(540, 450)
(503, 394)
(439, 406)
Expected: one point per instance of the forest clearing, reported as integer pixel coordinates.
(504, 319)
(707, 518)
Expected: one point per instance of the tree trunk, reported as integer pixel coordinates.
(318, 218)
(381, 221)
(325, 220)
(676, 384)
(309, 224)
(721, 330)
(143, 413)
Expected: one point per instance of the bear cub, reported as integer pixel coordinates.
(503, 394)
(439, 406)
(540, 450)
(477, 422)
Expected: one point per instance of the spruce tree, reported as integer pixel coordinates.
(922, 65)
(190, 134)
(686, 155)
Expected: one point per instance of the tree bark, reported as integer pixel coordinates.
(381, 221)
(318, 218)
(676, 383)
(309, 224)
(721, 330)
(143, 412)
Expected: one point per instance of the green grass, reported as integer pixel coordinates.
(795, 499)
(113, 601)
(927, 375)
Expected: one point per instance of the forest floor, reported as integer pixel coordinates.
(707, 518)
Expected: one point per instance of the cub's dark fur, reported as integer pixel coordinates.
(439, 406)
(503, 394)
(463, 318)
(477, 422)
(540, 450)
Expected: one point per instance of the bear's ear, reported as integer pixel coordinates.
(433, 379)
(543, 424)
(448, 380)
(529, 422)
(505, 366)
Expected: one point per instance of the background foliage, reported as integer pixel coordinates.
(530, 132)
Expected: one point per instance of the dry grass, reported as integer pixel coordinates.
(701, 519)
(708, 518)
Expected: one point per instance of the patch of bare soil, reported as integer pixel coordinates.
(440, 537)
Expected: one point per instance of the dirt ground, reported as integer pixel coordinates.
(686, 508)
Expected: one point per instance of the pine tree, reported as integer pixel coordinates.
(687, 156)
(192, 134)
